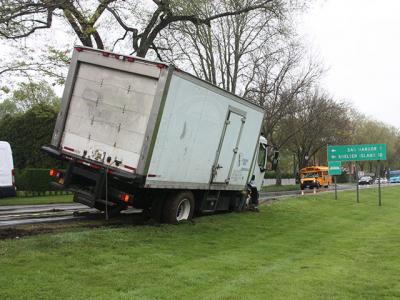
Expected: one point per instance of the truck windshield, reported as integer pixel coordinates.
(311, 175)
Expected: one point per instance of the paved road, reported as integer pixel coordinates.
(30, 214)
(340, 187)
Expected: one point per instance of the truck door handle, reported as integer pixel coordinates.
(219, 167)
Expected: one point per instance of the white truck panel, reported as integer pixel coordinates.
(108, 114)
(6, 165)
(190, 133)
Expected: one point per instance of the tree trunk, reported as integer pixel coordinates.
(278, 175)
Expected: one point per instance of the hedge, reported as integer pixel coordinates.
(27, 133)
(34, 181)
(272, 175)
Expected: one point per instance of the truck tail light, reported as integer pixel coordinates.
(55, 173)
(129, 168)
(94, 166)
(124, 197)
(69, 149)
(13, 177)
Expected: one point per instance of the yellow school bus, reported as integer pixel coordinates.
(314, 177)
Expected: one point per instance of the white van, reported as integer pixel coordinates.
(7, 182)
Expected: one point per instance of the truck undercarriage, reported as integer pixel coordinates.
(111, 191)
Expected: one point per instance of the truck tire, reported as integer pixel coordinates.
(179, 207)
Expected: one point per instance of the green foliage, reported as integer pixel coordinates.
(33, 180)
(370, 131)
(273, 175)
(7, 107)
(27, 132)
(29, 94)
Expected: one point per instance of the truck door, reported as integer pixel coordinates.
(260, 164)
(228, 147)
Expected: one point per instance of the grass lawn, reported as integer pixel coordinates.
(36, 200)
(280, 188)
(302, 248)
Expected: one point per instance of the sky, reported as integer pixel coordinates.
(358, 42)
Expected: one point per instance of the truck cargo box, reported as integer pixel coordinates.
(152, 120)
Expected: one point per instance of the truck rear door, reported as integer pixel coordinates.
(108, 115)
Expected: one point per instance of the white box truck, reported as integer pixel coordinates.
(147, 135)
(7, 182)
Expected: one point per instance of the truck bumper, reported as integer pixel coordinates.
(7, 191)
(89, 187)
(309, 185)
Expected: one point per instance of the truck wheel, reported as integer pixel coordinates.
(179, 207)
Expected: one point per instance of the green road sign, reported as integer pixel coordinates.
(334, 168)
(357, 152)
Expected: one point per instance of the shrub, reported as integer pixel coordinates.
(272, 175)
(33, 181)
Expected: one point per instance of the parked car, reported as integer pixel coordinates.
(365, 180)
(383, 180)
(395, 179)
(7, 182)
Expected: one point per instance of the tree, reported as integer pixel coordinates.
(321, 122)
(7, 107)
(21, 18)
(30, 64)
(229, 53)
(29, 94)
(369, 131)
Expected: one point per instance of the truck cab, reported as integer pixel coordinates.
(259, 166)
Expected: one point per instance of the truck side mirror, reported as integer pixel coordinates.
(275, 161)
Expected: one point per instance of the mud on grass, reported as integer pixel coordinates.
(90, 222)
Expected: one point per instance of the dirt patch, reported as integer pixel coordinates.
(91, 221)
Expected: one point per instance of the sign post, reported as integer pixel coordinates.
(363, 152)
(358, 183)
(335, 168)
(379, 183)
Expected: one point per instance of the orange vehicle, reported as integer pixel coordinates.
(314, 177)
